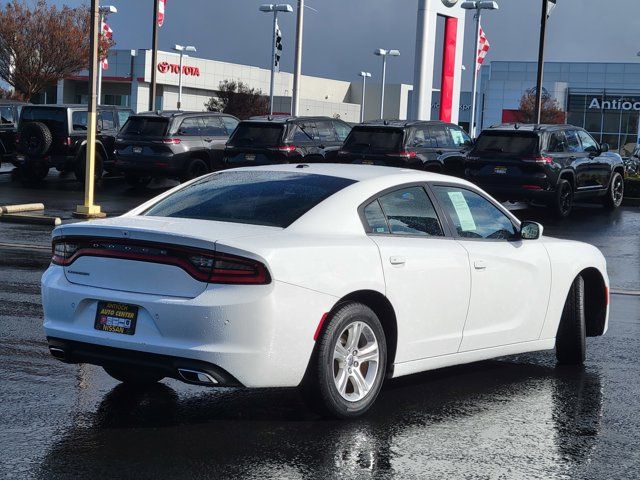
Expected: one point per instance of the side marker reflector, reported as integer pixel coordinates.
(322, 320)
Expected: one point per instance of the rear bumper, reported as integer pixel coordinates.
(164, 164)
(61, 162)
(261, 335)
(517, 192)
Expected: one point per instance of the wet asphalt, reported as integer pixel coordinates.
(515, 417)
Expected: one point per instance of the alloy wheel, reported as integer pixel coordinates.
(356, 358)
(566, 199)
(618, 190)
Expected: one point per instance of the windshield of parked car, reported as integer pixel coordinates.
(146, 126)
(54, 118)
(260, 134)
(274, 199)
(506, 143)
(374, 139)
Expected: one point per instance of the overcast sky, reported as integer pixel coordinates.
(341, 36)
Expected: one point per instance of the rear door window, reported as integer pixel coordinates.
(251, 197)
(302, 133)
(410, 212)
(146, 126)
(506, 143)
(441, 136)
(374, 139)
(213, 127)
(259, 134)
(106, 120)
(342, 130)
(191, 127)
(557, 142)
(230, 124)
(79, 120)
(326, 134)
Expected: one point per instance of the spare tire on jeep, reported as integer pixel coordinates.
(35, 138)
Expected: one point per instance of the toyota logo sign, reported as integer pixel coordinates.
(166, 67)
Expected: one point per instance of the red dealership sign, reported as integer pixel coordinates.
(166, 67)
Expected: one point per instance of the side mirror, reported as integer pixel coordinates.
(531, 230)
(604, 147)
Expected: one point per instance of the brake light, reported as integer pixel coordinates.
(403, 154)
(203, 265)
(532, 187)
(287, 148)
(343, 152)
(542, 159)
(67, 141)
(172, 141)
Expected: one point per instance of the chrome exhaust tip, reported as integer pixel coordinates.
(195, 376)
(57, 352)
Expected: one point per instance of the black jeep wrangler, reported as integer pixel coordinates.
(56, 136)
(9, 114)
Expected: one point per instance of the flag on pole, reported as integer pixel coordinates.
(551, 4)
(161, 6)
(106, 34)
(483, 48)
(278, 52)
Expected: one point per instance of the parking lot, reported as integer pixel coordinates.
(516, 417)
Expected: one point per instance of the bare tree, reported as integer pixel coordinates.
(551, 111)
(43, 44)
(236, 98)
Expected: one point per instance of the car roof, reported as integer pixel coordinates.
(285, 118)
(75, 106)
(529, 127)
(401, 123)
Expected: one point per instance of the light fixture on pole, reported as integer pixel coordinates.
(103, 11)
(478, 6)
(384, 54)
(364, 76)
(182, 49)
(271, 8)
(88, 209)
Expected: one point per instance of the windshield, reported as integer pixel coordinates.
(274, 199)
(506, 143)
(365, 139)
(257, 134)
(145, 126)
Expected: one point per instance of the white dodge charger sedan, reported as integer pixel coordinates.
(327, 277)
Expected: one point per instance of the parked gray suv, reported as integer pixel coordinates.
(172, 144)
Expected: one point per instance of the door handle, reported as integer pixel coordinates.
(208, 139)
(479, 265)
(395, 260)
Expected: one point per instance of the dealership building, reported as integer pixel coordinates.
(603, 98)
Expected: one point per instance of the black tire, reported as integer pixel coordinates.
(80, 166)
(136, 181)
(319, 386)
(562, 204)
(34, 173)
(571, 338)
(133, 377)
(195, 168)
(35, 138)
(615, 192)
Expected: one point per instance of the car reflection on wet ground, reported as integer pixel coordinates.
(516, 417)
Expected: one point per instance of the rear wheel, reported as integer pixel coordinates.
(34, 173)
(615, 193)
(563, 201)
(133, 377)
(349, 364)
(137, 181)
(81, 164)
(571, 338)
(195, 168)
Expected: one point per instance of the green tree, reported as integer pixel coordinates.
(236, 98)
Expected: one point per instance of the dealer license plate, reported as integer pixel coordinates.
(116, 317)
(500, 170)
(137, 150)
(249, 157)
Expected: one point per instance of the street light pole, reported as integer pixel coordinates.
(104, 11)
(297, 69)
(543, 31)
(88, 209)
(384, 53)
(154, 58)
(182, 49)
(364, 76)
(281, 7)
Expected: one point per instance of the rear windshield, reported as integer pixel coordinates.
(380, 139)
(274, 199)
(260, 134)
(506, 143)
(145, 126)
(54, 118)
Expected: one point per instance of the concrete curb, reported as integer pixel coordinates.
(25, 207)
(30, 219)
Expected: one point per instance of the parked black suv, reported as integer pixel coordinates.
(56, 136)
(551, 164)
(283, 139)
(9, 115)
(425, 145)
(174, 144)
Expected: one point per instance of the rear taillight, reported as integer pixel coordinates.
(343, 152)
(205, 266)
(542, 159)
(287, 148)
(403, 155)
(18, 137)
(171, 141)
(67, 142)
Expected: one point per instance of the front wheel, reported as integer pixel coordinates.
(349, 364)
(562, 204)
(195, 168)
(615, 192)
(133, 377)
(571, 341)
